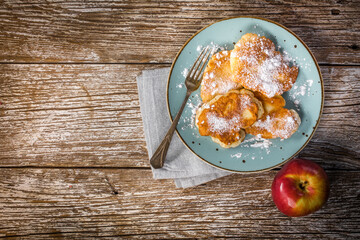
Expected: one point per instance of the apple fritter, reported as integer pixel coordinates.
(217, 78)
(277, 120)
(225, 117)
(257, 66)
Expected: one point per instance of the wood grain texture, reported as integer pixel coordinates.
(153, 31)
(73, 160)
(81, 115)
(69, 204)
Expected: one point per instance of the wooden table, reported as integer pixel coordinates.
(73, 159)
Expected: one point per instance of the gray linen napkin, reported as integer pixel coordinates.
(181, 164)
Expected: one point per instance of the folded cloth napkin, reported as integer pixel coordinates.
(181, 164)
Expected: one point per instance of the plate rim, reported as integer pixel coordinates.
(317, 121)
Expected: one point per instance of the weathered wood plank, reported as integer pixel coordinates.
(43, 110)
(68, 203)
(88, 115)
(152, 31)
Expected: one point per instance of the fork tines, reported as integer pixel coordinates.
(197, 68)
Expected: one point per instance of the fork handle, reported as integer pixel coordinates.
(158, 159)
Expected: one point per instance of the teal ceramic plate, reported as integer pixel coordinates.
(306, 97)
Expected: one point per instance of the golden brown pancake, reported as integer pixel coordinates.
(280, 123)
(277, 121)
(257, 66)
(225, 116)
(217, 78)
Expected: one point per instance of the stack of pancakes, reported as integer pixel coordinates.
(241, 90)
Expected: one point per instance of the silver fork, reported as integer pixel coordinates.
(192, 82)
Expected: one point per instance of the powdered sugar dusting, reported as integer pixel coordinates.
(310, 82)
(270, 124)
(237, 155)
(222, 88)
(262, 75)
(221, 124)
(216, 47)
(257, 142)
(180, 85)
(265, 77)
(262, 143)
(302, 91)
(185, 72)
(299, 91)
(192, 105)
(218, 83)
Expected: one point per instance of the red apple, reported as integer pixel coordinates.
(301, 187)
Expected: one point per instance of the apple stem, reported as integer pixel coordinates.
(303, 185)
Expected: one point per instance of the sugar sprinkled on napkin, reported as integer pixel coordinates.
(181, 164)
